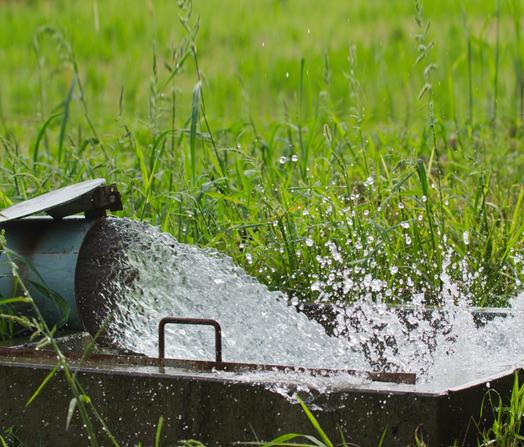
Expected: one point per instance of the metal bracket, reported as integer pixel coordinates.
(191, 321)
(90, 197)
(93, 204)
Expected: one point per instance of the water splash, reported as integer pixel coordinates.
(174, 279)
(445, 346)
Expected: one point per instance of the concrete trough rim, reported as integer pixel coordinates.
(206, 400)
(136, 364)
(141, 366)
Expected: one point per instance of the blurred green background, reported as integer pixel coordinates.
(315, 140)
(250, 54)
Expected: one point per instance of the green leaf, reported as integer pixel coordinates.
(315, 423)
(41, 134)
(159, 431)
(85, 398)
(423, 177)
(70, 411)
(55, 298)
(143, 168)
(42, 385)
(65, 118)
(19, 299)
(22, 321)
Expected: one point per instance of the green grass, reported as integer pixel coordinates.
(300, 138)
(506, 429)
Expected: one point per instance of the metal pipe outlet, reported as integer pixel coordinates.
(48, 250)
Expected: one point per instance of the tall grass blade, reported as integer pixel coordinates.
(195, 107)
(70, 412)
(41, 135)
(496, 76)
(43, 384)
(315, 423)
(158, 432)
(65, 119)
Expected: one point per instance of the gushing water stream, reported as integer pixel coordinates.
(445, 347)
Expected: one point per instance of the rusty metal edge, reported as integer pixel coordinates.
(201, 365)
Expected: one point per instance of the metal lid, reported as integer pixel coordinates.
(89, 197)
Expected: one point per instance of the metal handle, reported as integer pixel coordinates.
(193, 321)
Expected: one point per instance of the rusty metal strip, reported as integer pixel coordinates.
(198, 365)
(387, 377)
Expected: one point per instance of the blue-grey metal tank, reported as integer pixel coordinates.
(47, 255)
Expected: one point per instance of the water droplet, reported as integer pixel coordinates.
(369, 181)
(309, 242)
(376, 285)
(316, 287)
(282, 160)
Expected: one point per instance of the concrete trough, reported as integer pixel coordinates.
(214, 403)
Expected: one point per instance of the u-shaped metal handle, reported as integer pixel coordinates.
(192, 321)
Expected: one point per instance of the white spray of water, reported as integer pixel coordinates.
(258, 326)
(445, 347)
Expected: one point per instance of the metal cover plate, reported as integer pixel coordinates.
(49, 200)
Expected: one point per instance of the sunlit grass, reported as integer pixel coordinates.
(369, 163)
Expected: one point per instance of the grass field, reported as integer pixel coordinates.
(334, 149)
